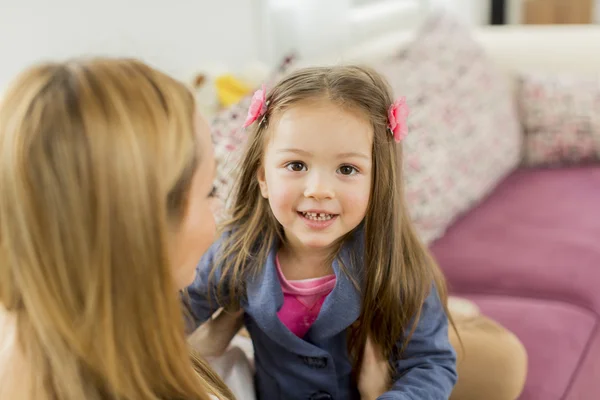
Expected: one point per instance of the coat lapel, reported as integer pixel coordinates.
(265, 298)
(342, 307)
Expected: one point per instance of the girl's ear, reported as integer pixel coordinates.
(262, 182)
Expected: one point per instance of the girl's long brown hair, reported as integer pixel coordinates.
(398, 271)
(96, 162)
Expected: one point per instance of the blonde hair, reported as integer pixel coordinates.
(397, 268)
(96, 161)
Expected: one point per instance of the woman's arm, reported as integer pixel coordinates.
(374, 377)
(212, 338)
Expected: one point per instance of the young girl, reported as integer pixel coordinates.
(320, 252)
(106, 173)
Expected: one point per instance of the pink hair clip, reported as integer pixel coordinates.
(397, 115)
(258, 106)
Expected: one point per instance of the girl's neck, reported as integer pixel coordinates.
(304, 263)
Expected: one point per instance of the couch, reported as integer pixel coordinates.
(524, 245)
(528, 252)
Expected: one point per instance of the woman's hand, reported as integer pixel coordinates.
(374, 378)
(212, 338)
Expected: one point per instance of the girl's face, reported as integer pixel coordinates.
(316, 172)
(197, 229)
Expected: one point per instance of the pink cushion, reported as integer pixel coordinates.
(555, 336)
(537, 236)
(529, 255)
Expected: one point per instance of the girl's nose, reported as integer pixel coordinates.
(318, 188)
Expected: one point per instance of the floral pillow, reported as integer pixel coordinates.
(561, 119)
(228, 139)
(464, 135)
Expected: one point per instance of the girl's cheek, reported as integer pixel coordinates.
(359, 199)
(281, 195)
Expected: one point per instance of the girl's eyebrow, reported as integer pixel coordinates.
(353, 154)
(340, 155)
(296, 151)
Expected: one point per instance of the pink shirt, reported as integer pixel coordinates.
(302, 301)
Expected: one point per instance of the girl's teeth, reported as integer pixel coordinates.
(317, 216)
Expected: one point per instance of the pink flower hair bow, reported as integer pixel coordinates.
(258, 106)
(397, 115)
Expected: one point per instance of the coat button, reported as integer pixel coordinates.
(321, 395)
(314, 362)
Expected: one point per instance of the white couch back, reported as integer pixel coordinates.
(552, 49)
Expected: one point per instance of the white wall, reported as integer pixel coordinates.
(184, 37)
(178, 36)
(317, 29)
(514, 11)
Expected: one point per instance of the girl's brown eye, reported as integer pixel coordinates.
(347, 170)
(296, 166)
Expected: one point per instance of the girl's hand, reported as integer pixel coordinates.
(374, 378)
(212, 338)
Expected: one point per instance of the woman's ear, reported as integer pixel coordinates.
(262, 182)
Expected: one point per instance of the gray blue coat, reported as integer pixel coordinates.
(317, 367)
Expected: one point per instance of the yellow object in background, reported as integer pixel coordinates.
(230, 90)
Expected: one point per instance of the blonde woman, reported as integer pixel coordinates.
(106, 175)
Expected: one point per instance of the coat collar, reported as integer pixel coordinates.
(340, 309)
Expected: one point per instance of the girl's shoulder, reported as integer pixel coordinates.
(210, 267)
(223, 248)
(216, 249)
